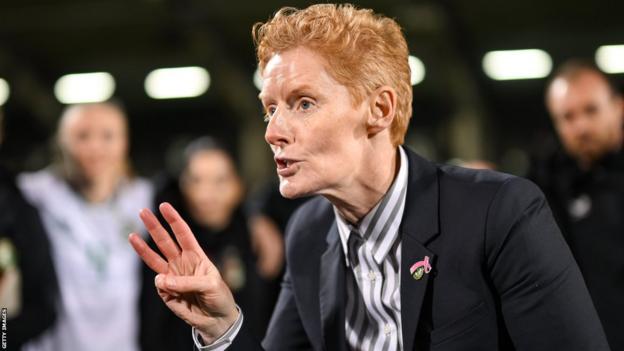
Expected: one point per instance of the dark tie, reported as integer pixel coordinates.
(356, 304)
(353, 244)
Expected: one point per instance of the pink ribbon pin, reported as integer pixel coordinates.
(421, 267)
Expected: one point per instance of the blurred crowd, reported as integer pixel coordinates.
(70, 281)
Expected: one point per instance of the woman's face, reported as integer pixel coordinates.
(317, 134)
(95, 139)
(211, 188)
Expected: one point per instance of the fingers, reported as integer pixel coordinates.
(207, 279)
(159, 234)
(177, 284)
(182, 232)
(151, 258)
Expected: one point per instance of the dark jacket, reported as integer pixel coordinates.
(20, 223)
(502, 279)
(589, 207)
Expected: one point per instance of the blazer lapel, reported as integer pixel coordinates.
(418, 227)
(332, 292)
(412, 290)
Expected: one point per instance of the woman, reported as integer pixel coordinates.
(209, 192)
(88, 202)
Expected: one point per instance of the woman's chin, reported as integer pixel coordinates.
(290, 190)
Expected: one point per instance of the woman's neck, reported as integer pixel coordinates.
(357, 201)
(99, 189)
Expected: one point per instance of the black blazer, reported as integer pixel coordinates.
(502, 278)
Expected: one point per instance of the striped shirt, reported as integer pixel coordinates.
(373, 257)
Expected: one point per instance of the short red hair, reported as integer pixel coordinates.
(364, 50)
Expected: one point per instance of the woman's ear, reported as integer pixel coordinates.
(382, 108)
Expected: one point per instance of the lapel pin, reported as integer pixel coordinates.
(419, 268)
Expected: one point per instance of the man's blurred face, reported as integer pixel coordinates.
(587, 116)
(316, 133)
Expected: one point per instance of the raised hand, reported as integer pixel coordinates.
(189, 284)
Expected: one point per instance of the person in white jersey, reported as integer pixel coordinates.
(88, 202)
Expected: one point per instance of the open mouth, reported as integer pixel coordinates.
(282, 163)
(285, 166)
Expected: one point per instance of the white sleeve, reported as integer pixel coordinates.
(225, 340)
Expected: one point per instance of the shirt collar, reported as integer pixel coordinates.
(380, 221)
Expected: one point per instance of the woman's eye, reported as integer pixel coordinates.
(269, 112)
(82, 136)
(108, 135)
(306, 104)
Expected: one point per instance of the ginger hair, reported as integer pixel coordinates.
(363, 50)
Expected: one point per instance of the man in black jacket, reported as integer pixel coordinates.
(584, 183)
(397, 253)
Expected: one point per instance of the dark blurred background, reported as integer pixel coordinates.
(459, 112)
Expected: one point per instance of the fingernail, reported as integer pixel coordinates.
(158, 280)
(171, 282)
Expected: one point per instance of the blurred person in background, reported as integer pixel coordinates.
(28, 287)
(584, 183)
(270, 212)
(88, 201)
(267, 230)
(209, 193)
